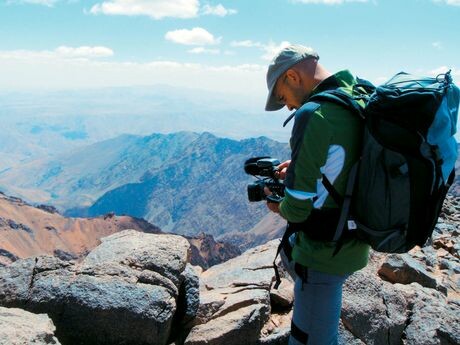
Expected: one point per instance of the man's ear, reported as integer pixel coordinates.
(293, 76)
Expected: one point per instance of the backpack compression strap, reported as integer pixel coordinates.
(345, 100)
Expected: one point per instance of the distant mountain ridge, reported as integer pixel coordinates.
(205, 190)
(183, 182)
(46, 123)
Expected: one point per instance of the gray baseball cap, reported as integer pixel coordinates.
(285, 59)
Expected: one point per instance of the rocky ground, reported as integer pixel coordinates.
(138, 288)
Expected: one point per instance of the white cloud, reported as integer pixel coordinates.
(202, 50)
(327, 2)
(449, 2)
(62, 52)
(437, 45)
(84, 52)
(48, 3)
(218, 10)
(196, 36)
(246, 44)
(48, 70)
(455, 72)
(271, 49)
(156, 9)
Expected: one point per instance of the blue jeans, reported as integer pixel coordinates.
(317, 306)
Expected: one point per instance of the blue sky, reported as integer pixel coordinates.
(217, 45)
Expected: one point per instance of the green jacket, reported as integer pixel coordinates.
(325, 140)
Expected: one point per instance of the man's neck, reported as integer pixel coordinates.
(320, 74)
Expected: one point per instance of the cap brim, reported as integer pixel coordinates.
(272, 104)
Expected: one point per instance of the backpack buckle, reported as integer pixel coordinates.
(352, 225)
(444, 78)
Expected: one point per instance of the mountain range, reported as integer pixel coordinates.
(45, 124)
(184, 182)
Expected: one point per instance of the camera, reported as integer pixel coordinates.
(264, 168)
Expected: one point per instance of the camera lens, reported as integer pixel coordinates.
(256, 191)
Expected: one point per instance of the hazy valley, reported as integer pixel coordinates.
(183, 182)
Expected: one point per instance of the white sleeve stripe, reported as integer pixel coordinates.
(332, 169)
(300, 195)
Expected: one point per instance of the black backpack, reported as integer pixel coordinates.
(396, 190)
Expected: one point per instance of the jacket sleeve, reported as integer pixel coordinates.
(310, 140)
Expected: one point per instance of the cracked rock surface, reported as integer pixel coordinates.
(125, 291)
(410, 298)
(235, 303)
(18, 327)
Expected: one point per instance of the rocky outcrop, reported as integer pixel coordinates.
(237, 304)
(18, 327)
(409, 298)
(139, 286)
(206, 252)
(127, 290)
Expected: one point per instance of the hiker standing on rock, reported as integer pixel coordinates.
(325, 143)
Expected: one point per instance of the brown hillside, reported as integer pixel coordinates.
(27, 231)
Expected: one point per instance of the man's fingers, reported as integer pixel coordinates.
(284, 165)
(267, 191)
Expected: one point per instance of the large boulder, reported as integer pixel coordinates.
(127, 290)
(433, 319)
(380, 312)
(372, 309)
(18, 327)
(238, 305)
(404, 269)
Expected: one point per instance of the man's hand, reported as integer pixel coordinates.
(281, 173)
(272, 206)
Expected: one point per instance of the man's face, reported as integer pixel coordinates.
(289, 92)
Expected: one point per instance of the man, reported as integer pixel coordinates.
(325, 140)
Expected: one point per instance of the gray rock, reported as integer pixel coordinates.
(277, 330)
(252, 268)
(163, 254)
(283, 297)
(378, 312)
(125, 291)
(18, 327)
(241, 326)
(372, 309)
(429, 255)
(402, 268)
(189, 298)
(346, 337)
(278, 337)
(235, 301)
(432, 319)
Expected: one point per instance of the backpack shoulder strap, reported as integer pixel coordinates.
(340, 98)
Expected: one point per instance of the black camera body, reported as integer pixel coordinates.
(264, 168)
